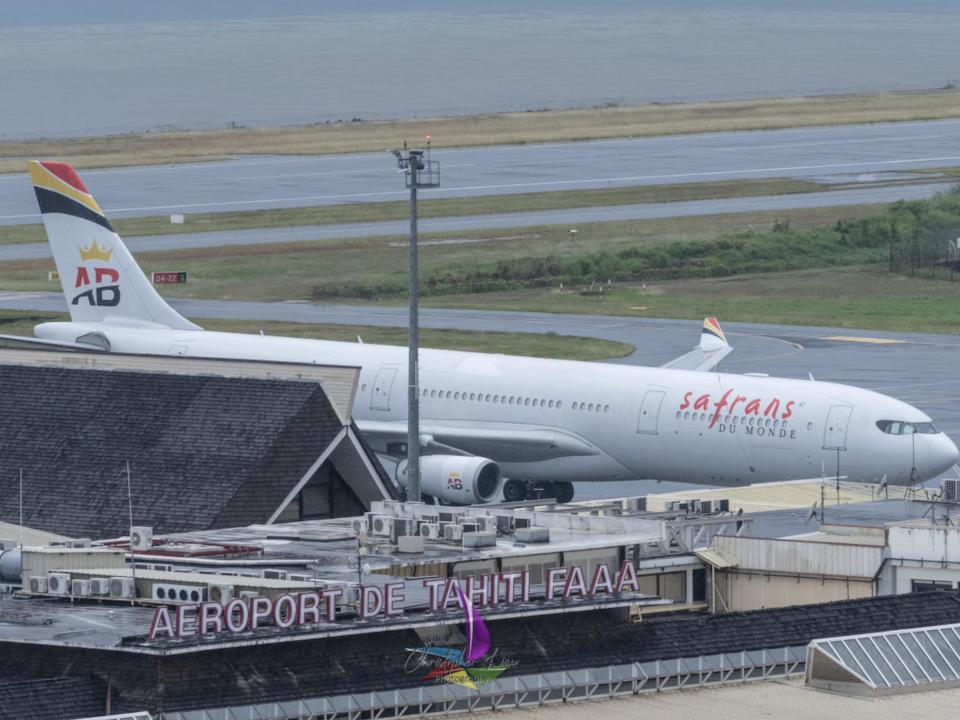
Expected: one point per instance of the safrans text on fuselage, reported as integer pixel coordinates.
(319, 607)
(731, 402)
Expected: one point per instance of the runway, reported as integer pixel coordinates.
(843, 154)
(918, 368)
(572, 217)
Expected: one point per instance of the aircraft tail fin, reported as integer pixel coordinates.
(100, 278)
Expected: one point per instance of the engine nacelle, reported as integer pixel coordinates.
(457, 479)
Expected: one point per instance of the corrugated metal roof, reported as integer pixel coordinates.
(802, 557)
(715, 558)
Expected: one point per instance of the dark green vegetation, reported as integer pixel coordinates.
(906, 234)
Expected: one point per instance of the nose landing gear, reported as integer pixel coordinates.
(518, 490)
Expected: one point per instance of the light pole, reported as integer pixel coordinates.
(420, 172)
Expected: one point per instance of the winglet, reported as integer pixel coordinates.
(712, 337)
(707, 355)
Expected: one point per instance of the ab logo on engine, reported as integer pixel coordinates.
(99, 295)
(454, 482)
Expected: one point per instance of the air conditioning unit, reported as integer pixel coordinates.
(58, 583)
(400, 527)
(470, 527)
(166, 592)
(638, 504)
(678, 506)
(452, 532)
(479, 539)
(81, 543)
(450, 515)
(274, 574)
(122, 587)
(99, 586)
(430, 531)
(706, 507)
(521, 522)
(950, 490)
(141, 538)
(359, 525)
(80, 588)
(220, 593)
(505, 523)
(429, 518)
(161, 567)
(248, 595)
(380, 525)
(38, 584)
(723, 505)
(486, 523)
(532, 535)
(300, 578)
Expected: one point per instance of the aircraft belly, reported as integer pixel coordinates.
(593, 468)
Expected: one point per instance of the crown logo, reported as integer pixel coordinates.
(95, 253)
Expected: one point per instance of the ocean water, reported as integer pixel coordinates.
(77, 79)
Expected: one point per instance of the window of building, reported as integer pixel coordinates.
(929, 585)
(699, 585)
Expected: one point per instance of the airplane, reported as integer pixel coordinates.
(519, 426)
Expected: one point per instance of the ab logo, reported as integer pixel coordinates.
(454, 482)
(99, 295)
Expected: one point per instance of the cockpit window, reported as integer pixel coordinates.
(898, 427)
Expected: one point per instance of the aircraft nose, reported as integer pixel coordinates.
(943, 454)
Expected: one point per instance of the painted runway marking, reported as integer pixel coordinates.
(869, 340)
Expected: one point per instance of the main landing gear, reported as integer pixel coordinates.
(519, 490)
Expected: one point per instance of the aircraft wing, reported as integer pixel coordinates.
(507, 444)
(707, 355)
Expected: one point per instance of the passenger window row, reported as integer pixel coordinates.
(492, 398)
(732, 419)
(511, 400)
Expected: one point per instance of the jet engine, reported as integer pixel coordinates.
(457, 479)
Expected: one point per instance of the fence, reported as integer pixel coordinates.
(527, 690)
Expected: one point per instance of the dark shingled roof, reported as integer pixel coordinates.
(53, 698)
(365, 663)
(203, 451)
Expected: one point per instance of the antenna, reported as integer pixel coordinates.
(133, 562)
(883, 487)
(838, 477)
(420, 172)
(21, 509)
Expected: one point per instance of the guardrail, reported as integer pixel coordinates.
(527, 690)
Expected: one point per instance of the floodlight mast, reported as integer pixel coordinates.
(420, 172)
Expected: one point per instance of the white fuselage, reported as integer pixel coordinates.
(696, 427)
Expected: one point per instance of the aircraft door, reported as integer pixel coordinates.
(835, 431)
(650, 412)
(382, 385)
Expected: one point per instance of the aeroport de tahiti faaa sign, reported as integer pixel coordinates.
(180, 622)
